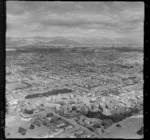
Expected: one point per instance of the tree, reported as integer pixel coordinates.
(54, 119)
(49, 115)
(107, 122)
(7, 106)
(101, 108)
(97, 125)
(135, 110)
(140, 131)
(28, 111)
(74, 108)
(90, 128)
(118, 125)
(44, 123)
(42, 104)
(32, 126)
(116, 117)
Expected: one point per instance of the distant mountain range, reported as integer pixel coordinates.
(10, 41)
(45, 41)
(64, 41)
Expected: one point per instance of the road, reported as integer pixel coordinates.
(73, 123)
(66, 133)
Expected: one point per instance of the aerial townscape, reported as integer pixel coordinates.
(62, 88)
(67, 93)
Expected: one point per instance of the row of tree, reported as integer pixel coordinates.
(49, 93)
(115, 117)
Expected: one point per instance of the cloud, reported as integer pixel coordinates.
(88, 19)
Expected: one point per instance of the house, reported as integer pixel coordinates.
(61, 124)
(69, 127)
(32, 126)
(37, 122)
(22, 130)
(79, 132)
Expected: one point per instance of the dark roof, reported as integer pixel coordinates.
(22, 130)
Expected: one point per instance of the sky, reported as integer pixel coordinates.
(97, 20)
